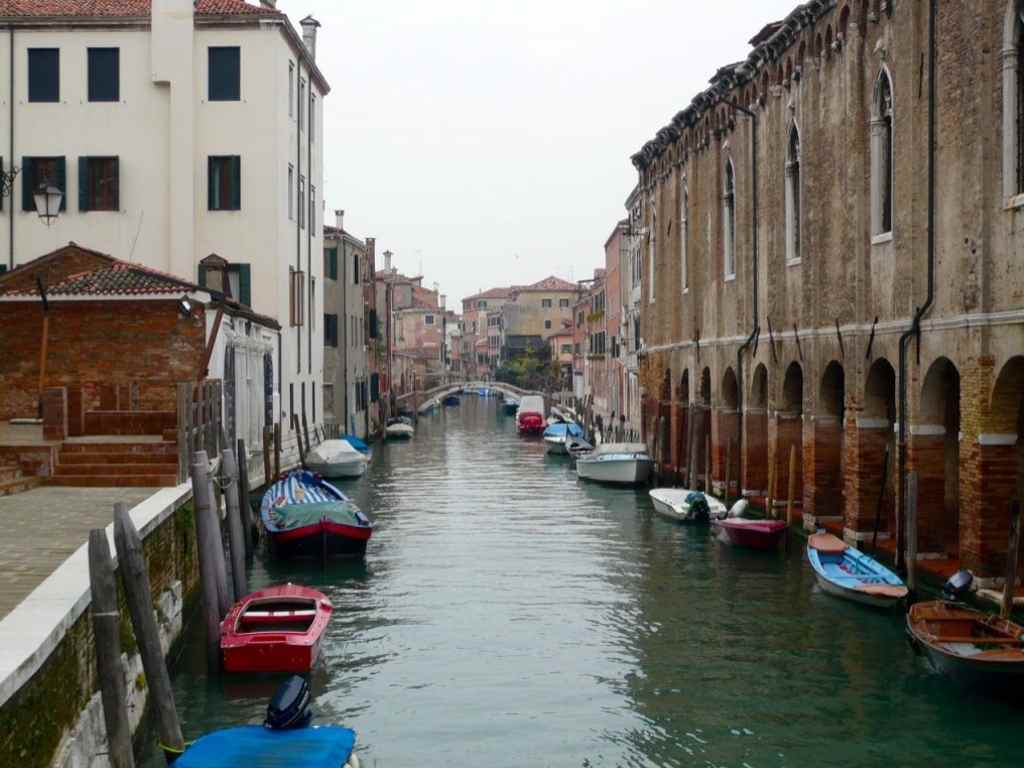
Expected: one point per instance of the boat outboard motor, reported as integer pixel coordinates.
(700, 512)
(958, 586)
(739, 508)
(289, 707)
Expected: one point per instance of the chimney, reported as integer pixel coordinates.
(309, 26)
(444, 300)
(339, 218)
(387, 261)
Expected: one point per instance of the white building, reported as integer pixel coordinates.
(176, 130)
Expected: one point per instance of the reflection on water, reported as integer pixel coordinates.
(507, 615)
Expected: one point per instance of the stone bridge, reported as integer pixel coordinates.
(423, 400)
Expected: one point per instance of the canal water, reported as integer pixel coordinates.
(509, 615)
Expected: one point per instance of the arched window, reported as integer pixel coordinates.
(729, 220)
(881, 157)
(1013, 100)
(793, 181)
(684, 232)
(652, 252)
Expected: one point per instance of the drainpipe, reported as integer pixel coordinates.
(345, 317)
(915, 328)
(10, 211)
(756, 329)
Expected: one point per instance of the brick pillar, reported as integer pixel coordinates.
(755, 452)
(55, 413)
(989, 468)
(926, 455)
(864, 445)
(823, 449)
(682, 455)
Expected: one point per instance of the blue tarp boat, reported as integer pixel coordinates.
(558, 436)
(847, 572)
(356, 443)
(253, 746)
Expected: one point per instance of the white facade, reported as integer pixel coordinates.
(163, 128)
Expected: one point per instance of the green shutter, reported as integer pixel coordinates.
(334, 263)
(202, 276)
(245, 284)
(117, 183)
(236, 183)
(28, 175)
(62, 183)
(211, 204)
(83, 184)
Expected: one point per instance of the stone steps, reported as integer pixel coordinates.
(116, 465)
(121, 457)
(112, 481)
(13, 481)
(71, 470)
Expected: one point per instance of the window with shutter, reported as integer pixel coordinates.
(373, 324)
(37, 171)
(224, 183)
(312, 207)
(104, 74)
(330, 330)
(297, 297)
(43, 74)
(240, 283)
(98, 184)
(291, 88)
(302, 202)
(355, 269)
(291, 191)
(225, 74)
(374, 387)
(331, 263)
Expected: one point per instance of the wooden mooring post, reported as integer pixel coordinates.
(791, 489)
(728, 472)
(236, 536)
(1012, 553)
(208, 540)
(707, 462)
(243, 495)
(305, 432)
(106, 623)
(268, 438)
(277, 452)
(298, 440)
(135, 580)
(911, 531)
(691, 469)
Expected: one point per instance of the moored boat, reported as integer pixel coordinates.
(304, 515)
(616, 463)
(451, 401)
(510, 406)
(277, 629)
(336, 459)
(845, 571)
(751, 533)
(557, 437)
(686, 506)
(399, 430)
(530, 419)
(356, 443)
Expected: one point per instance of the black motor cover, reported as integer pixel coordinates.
(289, 707)
(958, 586)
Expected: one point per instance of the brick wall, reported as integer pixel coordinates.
(97, 343)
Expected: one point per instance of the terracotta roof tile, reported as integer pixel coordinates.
(119, 279)
(123, 8)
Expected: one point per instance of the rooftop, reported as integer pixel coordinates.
(124, 9)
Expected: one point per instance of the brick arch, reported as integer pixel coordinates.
(828, 42)
(1006, 409)
(759, 387)
(832, 391)
(880, 391)
(793, 389)
(684, 387)
(935, 455)
(730, 390)
(755, 442)
(666, 385)
(941, 384)
(844, 22)
(705, 386)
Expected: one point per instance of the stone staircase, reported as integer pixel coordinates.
(13, 480)
(116, 465)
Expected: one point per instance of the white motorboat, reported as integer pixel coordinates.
(336, 458)
(618, 463)
(558, 437)
(399, 430)
(686, 506)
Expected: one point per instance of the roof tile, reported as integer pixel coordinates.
(123, 8)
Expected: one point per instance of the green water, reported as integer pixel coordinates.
(508, 615)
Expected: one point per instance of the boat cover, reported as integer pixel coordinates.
(356, 443)
(253, 746)
(606, 448)
(332, 452)
(302, 499)
(562, 428)
(532, 404)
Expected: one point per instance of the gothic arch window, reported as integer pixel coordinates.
(729, 220)
(1013, 101)
(882, 113)
(793, 189)
(684, 233)
(652, 252)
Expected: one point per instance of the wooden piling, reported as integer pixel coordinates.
(267, 439)
(689, 446)
(305, 431)
(236, 536)
(881, 498)
(728, 468)
(207, 544)
(1012, 552)
(106, 623)
(707, 463)
(773, 480)
(135, 579)
(242, 455)
(911, 532)
(691, 469)
(298, 440)
(791, 490)
(277, 452)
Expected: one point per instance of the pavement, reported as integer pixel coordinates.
(41, 528)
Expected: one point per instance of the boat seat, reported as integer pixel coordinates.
(826, 544)
(883, 590)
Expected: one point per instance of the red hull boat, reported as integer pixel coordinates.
(755, 534)
(275, 630)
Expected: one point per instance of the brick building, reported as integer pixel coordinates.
(889, 150)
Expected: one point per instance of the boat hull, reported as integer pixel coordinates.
(399, 432)
(614, 471)
(855, 595)
(341, 469)
(846, 572)
(756, 534)
(555, 446)
(323, 539)
(680, 513)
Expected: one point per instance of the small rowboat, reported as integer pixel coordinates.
(559, 435)
(973, 649)
(275, 630)
(336, 458)
(686, 506)
(399, 430)
(754, 534)
(845, 571)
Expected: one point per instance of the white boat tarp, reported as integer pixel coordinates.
(532, 404)
(334, 451)
(606, 448)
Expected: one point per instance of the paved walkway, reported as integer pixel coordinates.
(43, 527)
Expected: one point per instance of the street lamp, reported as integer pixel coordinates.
(48, 199)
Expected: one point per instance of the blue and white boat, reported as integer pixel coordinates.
(356, 443)
(558, 436)
(845, 571)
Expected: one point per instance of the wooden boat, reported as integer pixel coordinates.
(974, 649)
(686, 506)
(847, 572)
(336, 459)
(399, 430)
(754, 534)
(277, 629)
(557, 437)
(530, 420)
(304, 515)
(616, 463)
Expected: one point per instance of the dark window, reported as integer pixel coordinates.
(374, 387)
(104, 74)
(44, 74)
(302, 202)
(885, 106)
(240, 283)
(98, 184)
(355, 269)
(563, 303)
(1020, 104)
(545, 303)
(793, 172)
(547, 324)
(225, 74)
(330, 330)
(331, 263)
(373, 324)
(36, 171)
(224, 183)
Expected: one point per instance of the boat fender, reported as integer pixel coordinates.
(958, 586)
(289, 708)
(739, 508)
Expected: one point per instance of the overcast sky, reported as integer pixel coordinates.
(491, 141)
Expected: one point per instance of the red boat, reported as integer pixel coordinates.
(275, 630)
(530, 420)
(756, 534)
